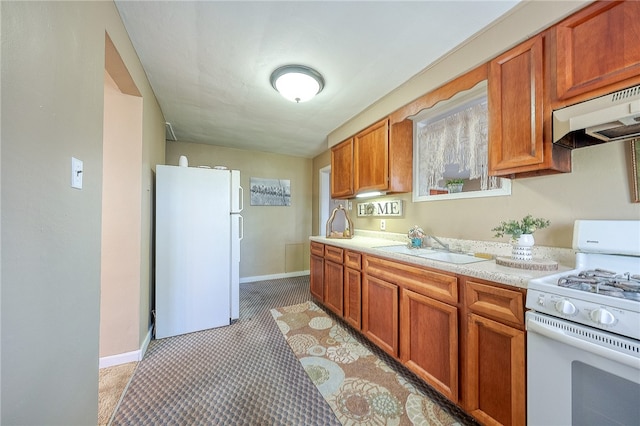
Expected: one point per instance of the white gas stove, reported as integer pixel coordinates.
(603, 291)
(583, 332)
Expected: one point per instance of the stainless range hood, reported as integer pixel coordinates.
(612, 117)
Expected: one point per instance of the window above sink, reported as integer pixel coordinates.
(451, 150)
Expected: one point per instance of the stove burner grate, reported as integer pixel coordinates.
(604, 282)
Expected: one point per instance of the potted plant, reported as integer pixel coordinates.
(455, 185)
(521, 233)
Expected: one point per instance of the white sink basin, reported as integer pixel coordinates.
(442, 256)
(403, 249)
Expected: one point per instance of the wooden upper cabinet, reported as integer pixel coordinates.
(342, 170)
(515, 108)
(379, 158)
(401, 156)
(519, 136)
(596, 48)
(371, 154)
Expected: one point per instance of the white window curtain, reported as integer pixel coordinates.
(459, 138)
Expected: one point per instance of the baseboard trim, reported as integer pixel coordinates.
(133, 356)
(274, 276)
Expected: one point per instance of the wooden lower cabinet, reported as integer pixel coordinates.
(380, 313)
(316, 267)
(333, 286)
(495, 371)
(495, 388)
(316, 278)
(353, 289)
(352, 297)
(429, 341)
(470, 347)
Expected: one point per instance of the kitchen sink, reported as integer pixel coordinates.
(442, 256)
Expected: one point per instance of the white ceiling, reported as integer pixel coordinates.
(209, 62)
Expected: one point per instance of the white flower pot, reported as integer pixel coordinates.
(523, 248)
(454, 187)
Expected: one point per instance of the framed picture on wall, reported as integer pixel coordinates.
(270, 192)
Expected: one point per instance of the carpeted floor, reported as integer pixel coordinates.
(112, 382)
(359, 386)
(243, 374)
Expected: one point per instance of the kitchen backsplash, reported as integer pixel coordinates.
(563, 256)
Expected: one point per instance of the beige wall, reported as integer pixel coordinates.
(276, 239)
(121, 221)
(598, 187)
(53, 62)
(523, 21)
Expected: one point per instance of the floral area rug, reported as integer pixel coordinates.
(359, 386)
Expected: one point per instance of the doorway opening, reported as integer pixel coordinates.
(121, 211)
(327, 204)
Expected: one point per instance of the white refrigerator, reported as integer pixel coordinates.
(198, 231)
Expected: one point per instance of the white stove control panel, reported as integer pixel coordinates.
(614, 319)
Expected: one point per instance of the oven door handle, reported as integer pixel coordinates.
(555, 334)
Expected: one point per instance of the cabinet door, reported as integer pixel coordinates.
(352, 297)
(597, 47)
(342, 169)
(429, 341)
(495, 386)
(317, 277)
(516, 109)
(371, 151)
(333, 286)
(380, 313)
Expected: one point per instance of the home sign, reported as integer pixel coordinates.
(380, 208)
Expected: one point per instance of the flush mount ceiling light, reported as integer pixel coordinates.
(297, 82)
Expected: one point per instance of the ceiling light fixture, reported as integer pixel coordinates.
(297, 82)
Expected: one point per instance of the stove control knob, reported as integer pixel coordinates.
(566, 307)
(602, 316)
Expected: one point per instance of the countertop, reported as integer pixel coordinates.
(366, 242)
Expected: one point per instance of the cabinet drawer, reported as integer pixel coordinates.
(317, 248)
(352, 259)
(437, 285)
(333, 253)
(495, 302)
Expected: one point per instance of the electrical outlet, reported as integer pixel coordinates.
(383, 225)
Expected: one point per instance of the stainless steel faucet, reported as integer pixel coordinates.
(444, 246)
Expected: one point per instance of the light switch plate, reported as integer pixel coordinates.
(76, 173)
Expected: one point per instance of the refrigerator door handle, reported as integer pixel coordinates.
(241, 200)
(241, 229)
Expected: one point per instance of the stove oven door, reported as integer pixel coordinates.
(577, 375)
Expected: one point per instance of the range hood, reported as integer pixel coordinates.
(612, 117)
